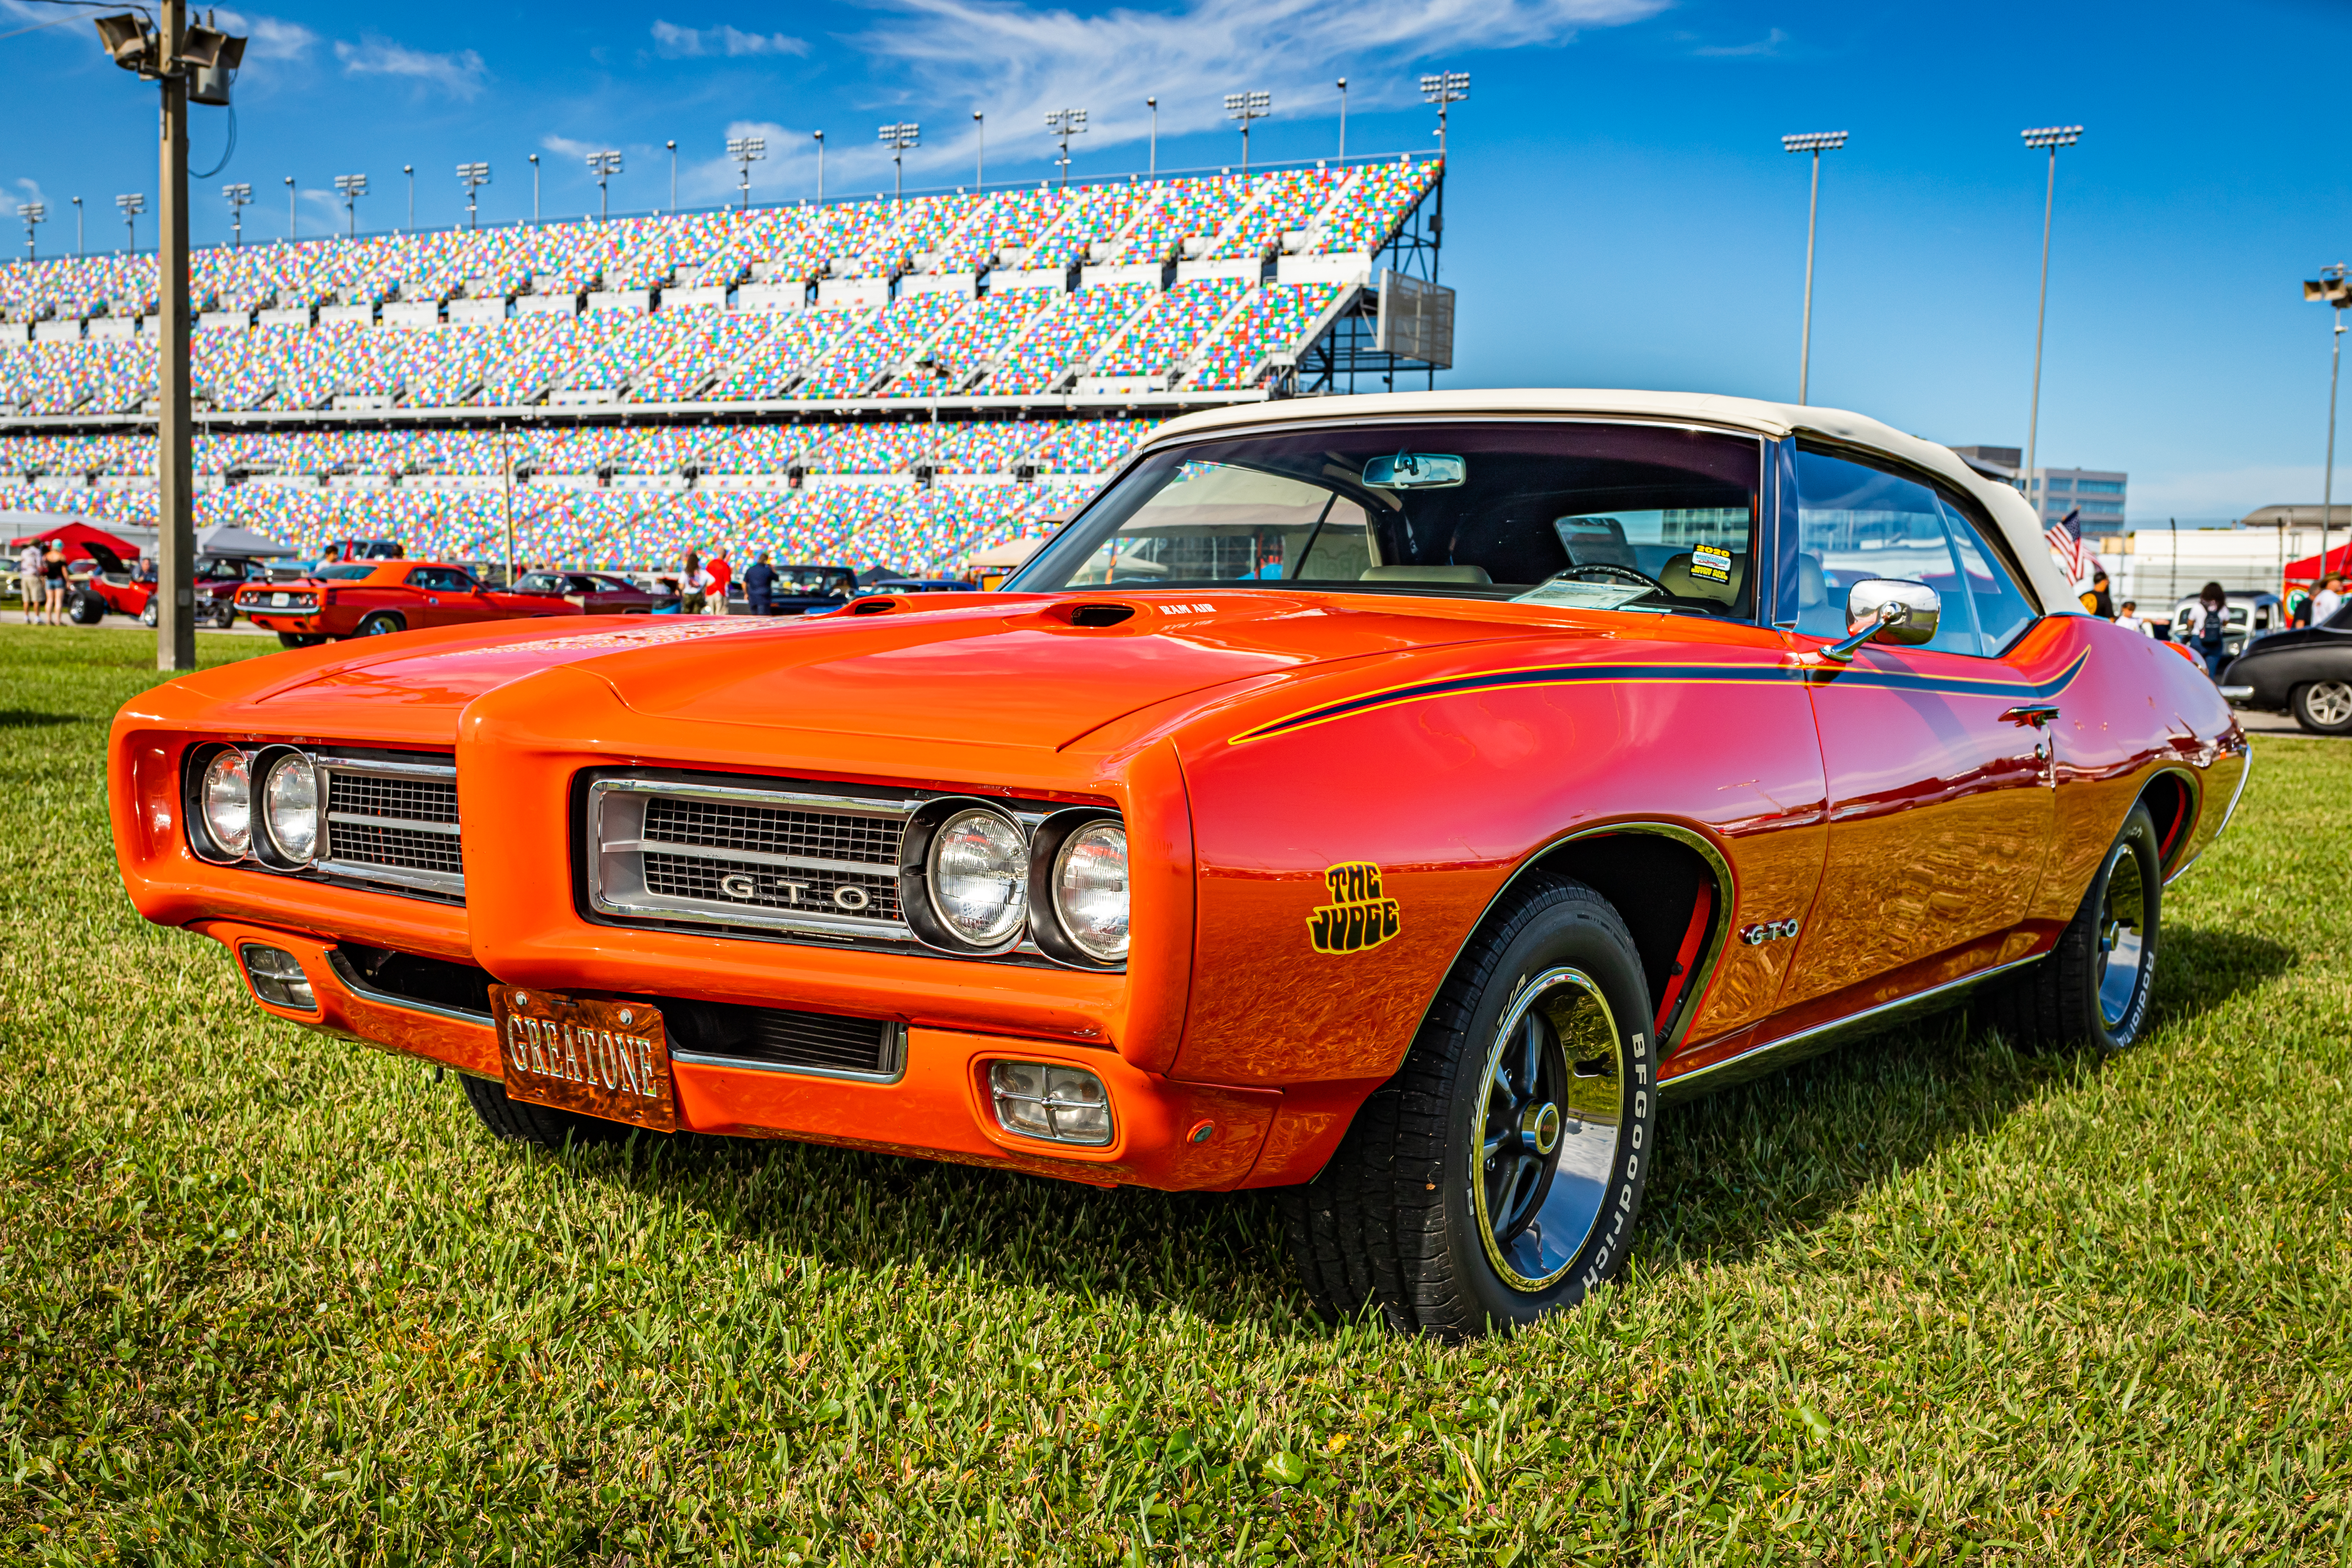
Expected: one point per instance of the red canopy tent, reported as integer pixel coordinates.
(2308, 572)
(75, 537)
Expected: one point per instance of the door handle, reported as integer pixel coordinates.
(2034, 714)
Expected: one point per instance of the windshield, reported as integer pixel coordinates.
(539, 583)
(350, 572)
(1598, 516)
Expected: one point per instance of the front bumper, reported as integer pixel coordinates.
(1166, 1134)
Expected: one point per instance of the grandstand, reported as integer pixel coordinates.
(890, 383)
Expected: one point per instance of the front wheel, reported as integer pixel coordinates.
(2324, 707)
(544, 1125)
(1497, 1178)
(86, 609)
(382, 623)
(299, 640)
(151, 613)
(2093, 987)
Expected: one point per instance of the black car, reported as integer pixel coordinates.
(919, 586)
(803, 590)
(2307, 672)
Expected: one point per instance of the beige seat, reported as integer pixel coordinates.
(1473, 576)
(1676, 578)
(1811, 591)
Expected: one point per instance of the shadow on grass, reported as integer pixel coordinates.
(26, 719)
(1782, 1154)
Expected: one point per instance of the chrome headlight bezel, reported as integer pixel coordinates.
(919, 901)
(207, 838)
(280, 847)
(1048, 852)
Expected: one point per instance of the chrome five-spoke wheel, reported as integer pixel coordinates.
(1554, 1099)
(2123, 937)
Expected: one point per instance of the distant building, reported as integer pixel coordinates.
(2097, 494)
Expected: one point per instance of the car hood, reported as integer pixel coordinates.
(989, 671)
(2299, 636)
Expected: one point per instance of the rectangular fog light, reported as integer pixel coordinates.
(278, 978)
(1040, 1099)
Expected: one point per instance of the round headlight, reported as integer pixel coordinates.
(289, 807)
(978, 877)
(1090, 890)
(228, 802)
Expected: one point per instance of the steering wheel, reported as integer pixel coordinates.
(1609, 572)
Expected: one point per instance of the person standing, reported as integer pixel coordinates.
(723, 573)
(31, 581)
(2209, 620)
(53, 582)
(693, 586)
(2097, 599)
(2325, 603)
(2130, 620)
(760, 585)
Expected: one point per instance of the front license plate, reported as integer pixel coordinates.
(580, 1053)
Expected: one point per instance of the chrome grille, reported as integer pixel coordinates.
(789, 858)
(393, 821)
(776, 1039)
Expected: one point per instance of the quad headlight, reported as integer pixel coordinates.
(226, 799)
(978, 877)
(289, 807)
(1090, 890)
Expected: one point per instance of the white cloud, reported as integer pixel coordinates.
(673, 42)
(1769, 43)
(460, 74)
(14, 202)
(1018, 62)
(269, 38)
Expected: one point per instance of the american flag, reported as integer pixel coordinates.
(2065, 537)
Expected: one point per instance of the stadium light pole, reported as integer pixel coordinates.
(2328, 287)
(746, 151)
(605, 165)
(1246, 107)
(293, 228)
(1444, 89)
(532, 159)
(474, 176)
(1816, 142)
(820, 166)
(1068, 122)
(32, 212)
(132, 203)
(1343, 117)
(237, 195)
(979, 158)
(1154, 105)
(673, 174)
(2053, 137)
(410, 170)
(354, 187)
(898, 138)
(76, 205)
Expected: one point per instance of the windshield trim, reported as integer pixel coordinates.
(1760, 557)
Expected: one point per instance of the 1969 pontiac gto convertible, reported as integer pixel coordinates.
(1391, 800)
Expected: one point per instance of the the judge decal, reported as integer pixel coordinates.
(1359, 917)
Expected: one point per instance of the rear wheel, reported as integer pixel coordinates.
(2324, 707)
(299, 640)
(151, 613)
(2093, 987)
(86, 609)
(383, 622)
(541, 1124)
(1496, 1178)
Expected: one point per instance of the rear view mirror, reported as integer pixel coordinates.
(1415, 471)
(1887, 610)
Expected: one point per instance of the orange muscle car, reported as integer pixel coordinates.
(375, 598)
(1390, 800)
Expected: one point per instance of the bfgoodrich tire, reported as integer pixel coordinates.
(1498, 1175)
(2094, 986)
(541, 1124)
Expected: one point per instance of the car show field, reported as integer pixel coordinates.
(269, 1297)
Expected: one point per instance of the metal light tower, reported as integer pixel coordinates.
(2331, 289)
(238, 196)
(746, 151)
(354, 187)
(293, 228)
(1246, 107)
(979, 158)
(819, 166)
(1816, 142)
(410, 170)
(673, 174)
(1343, 117)
(1154, 105)
(604, 166)
(1068, 122)
(2053, 137)
(76, 207)
(898, 138)
(32, 212)
(474, 176)
(132, 203)
(1444, 89)
(532, 159)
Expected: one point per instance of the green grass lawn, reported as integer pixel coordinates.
(266, 1297)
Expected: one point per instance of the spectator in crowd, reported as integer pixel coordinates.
(2130, 620)
(2331, 596)
(2208, 619)
(30, 579)
(760, 584)
(723, 573)
(693, 586)
(53, 581)
(2097, 599)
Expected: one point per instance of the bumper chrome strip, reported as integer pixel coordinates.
(406, 825)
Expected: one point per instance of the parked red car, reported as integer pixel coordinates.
(596, 592)
(370, 598)
(128, 588)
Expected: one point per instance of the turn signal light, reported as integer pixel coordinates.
(278, 978)
(1042, 1100)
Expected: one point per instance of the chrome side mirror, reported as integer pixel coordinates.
(1883, 609)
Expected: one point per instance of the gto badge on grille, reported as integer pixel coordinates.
(1358, 915)
(738, 886)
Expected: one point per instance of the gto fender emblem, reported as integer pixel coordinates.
(1358, 915)
(1769, 931)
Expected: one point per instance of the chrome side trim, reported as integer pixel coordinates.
(350, 976)
(393, 876)
(892, 1074)
(388, 768)
(757, 857)
(1759, 1060)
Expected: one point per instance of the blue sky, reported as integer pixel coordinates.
(1619, 214)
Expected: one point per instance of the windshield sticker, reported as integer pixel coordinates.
(1357, 917)
(1710, 564)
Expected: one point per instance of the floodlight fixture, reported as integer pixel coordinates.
(1816, 142)
(1246, 107)
(32, 212)
(2329, 288)
(130, 42)
(604, 166)
(819, 137)
(354, 187)
(238, 196)
(1066, 123)
(132, 203)
(748, 151)
(898, 138)
(1444, 89)
(2051, 137)
(473, 176)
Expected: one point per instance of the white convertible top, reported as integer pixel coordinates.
(2009, 509)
